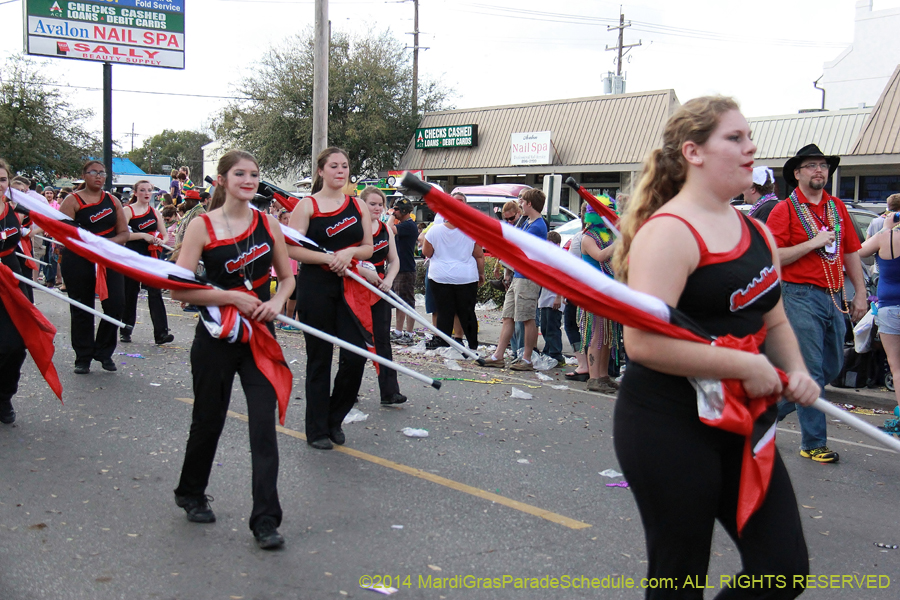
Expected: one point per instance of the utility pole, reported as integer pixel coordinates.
(415, 90)
(320, 81)
(133, 135)
(621, 46)
(107, 125)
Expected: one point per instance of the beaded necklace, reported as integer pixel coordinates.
(762, 201)
(831, 262)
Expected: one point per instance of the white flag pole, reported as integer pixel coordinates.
(863, 427)
(64, 298)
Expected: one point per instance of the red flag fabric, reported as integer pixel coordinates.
(752, 418)
(100, 287)
(32, 325)
(555, 269)
(602, 209)
(27, 249)
(230, 325)
(360, 301)
(289, 202)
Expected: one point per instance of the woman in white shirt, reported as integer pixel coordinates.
(456, 270)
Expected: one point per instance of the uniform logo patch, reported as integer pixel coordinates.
(147, 223)
(340, 226)
(247, 257)
(381, 245)
(743, 298)
(103, 213)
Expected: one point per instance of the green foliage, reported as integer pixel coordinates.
(175, 148)
(41, 134)
(369, 104)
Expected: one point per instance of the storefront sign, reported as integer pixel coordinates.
(137, 32)
(455, 136)
(531, 148)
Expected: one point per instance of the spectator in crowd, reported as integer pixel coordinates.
(550, 304)
(816, 243)
(885, 245)
(170, 218)
(521, 299)
(456, 270)
(405, 236)
(761, 194)
(599, 334)
(175, 187)
(570, 316)
(187, 184)
(877, 224)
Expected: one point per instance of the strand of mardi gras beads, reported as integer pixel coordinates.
(829, 261)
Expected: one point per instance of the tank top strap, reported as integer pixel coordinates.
(265, 223)
(209, 227)
(759, 229)
(316, 211)
(700, 243)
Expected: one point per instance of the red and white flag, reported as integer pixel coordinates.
(36, 331)
(555, 269)
(159, 274)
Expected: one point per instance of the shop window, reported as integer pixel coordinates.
(876, 188)
(848, 188)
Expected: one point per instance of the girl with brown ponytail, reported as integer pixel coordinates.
(682, 242)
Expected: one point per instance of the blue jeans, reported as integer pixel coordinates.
(551, 329)
(819, 327)
(517, 342)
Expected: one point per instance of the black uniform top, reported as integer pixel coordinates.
(100, 218)
(728, 293)
(249, 255)
(382, 244)
(10, 340)
(146, 223)
(10, 234)
(333, 231)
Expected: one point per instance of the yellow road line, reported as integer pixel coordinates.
(455, 485)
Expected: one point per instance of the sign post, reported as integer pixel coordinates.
(126, 32)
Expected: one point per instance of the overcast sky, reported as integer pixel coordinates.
(491, 52)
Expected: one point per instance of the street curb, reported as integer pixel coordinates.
(863, 397)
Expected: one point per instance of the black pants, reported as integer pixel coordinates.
(155, 302)
(321, 304)
(80, 277)
(570, 324)
(381, 325)
(682, 493)
(213, 366)
(10, 371)
(457, 301)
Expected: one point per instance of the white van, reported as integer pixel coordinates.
(490, 199)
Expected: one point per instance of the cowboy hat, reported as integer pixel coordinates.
(809, 151)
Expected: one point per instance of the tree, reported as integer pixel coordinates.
(175, 148)
(41, 134)
(369, 104)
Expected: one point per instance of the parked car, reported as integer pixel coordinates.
(490, 199)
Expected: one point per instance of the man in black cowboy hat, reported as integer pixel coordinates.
(816, 243)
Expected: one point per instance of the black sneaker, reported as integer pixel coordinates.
(165, 339)
(125, 334)
(321, 444)
(266, 534)
(108, 364)
(397, 398)
(197, 508)
(7, 414)
(82, 369)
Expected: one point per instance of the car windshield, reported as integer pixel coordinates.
(570, 228)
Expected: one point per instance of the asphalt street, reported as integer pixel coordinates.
(502, 487)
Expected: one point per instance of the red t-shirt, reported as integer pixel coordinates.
(788, 231)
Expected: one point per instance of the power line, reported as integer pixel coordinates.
(97, 89)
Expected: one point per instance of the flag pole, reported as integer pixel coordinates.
(850, 419)
(359, 351)
(74, 303)
(398, 302)
(25, 256)
(46, 239)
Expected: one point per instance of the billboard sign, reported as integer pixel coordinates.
(128, 32)
(532, 148)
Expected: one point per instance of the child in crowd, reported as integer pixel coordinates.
(551, 307)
